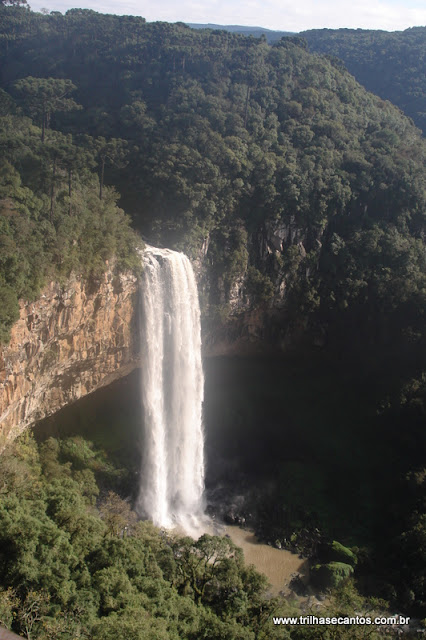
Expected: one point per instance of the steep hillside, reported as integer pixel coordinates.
(390, 64)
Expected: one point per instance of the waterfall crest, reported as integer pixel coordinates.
(172, 388)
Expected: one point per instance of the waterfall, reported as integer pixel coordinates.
(172, 387)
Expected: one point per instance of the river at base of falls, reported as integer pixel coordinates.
(278, 565)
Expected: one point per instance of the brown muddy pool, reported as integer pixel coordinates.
(278, 565)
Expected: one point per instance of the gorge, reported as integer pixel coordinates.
(299, 199)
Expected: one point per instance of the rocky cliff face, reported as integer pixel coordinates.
(81, 336)
(236, 320)
(73, 340)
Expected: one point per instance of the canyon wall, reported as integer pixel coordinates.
(80, 336)
(236, 320)
(73, 340)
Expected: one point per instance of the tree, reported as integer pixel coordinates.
(117, 515)
(13, 23)
(44, 96)
(9, 310)
(62, 155)
(8, 603)
(32, 610)
(113, 151)
(204, 563)
(7, 104)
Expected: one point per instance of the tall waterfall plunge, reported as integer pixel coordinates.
(172, 480)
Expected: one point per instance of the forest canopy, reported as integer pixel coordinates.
(390, 64)
(214, 138)
(76, 563)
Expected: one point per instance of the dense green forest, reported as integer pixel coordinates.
(215, 136)
(209, 139)
(389, 64)
(52, 218)
(72, 569)
(76, 563)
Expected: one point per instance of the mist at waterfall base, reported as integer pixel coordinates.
(171, 491)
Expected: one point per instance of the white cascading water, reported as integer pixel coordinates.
(172, 478)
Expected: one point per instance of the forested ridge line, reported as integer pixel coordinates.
(389, 64)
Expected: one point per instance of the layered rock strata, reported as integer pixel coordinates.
(73, 340)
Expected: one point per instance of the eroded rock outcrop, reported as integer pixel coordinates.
(73, 340)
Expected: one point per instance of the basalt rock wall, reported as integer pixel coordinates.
(73, 340)
(242, 324)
